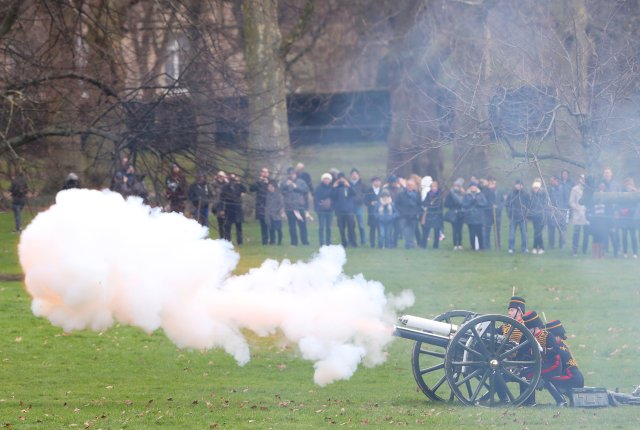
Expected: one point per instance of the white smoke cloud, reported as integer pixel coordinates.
(93, 259)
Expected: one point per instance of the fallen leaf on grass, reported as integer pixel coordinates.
(128, 402)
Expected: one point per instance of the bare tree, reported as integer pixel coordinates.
(268, 124)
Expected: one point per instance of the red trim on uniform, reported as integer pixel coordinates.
(553, 367)
(567, 375)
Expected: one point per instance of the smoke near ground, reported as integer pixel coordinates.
(93, 259)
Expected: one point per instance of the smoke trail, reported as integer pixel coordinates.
(94, 258)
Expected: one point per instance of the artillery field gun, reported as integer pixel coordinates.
(465, 356)
(486, 360)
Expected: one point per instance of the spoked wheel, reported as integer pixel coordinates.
(485, 368)
(427, 361)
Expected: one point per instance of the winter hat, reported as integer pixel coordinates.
(556, 328)
(392, 179)
(536, 184)
(72, 177)
(459, 182)
(517, 302)
(531, 320)
(326, 176)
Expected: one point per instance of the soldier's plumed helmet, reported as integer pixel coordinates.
(556, 328)
(531, 320)
(517, 302)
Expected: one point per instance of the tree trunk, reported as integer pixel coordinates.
(268, 127)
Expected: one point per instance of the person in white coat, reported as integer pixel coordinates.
(579, 216)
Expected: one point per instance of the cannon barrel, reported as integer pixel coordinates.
(425, 324)
(425, 330)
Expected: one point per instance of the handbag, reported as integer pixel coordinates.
(450, 216)
(324, 204)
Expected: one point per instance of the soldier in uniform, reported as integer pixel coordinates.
(550, 354)
(571, 376)
(515, 309)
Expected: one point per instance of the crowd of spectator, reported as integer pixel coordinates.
(413, 212)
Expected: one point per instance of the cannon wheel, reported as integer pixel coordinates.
(427, 361)
(484, 369)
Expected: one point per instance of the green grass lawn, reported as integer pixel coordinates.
(124, 378)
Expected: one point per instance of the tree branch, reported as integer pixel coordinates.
(71, 75)
(531, 155)
(64, 130)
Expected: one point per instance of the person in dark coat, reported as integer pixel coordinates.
(221, 180)
(627, 220)
(260, 188)
(273, 209)
(489, 194)
(176, 189)
(360, 190)
(136, 184)
(517, 205)
(386, 214)
(371, 199)
(537, 212)
(343, 197)
(455, 214)
(119, 172)
(323, 205)
(200, 196)
(295, 190)
(566, 185)
(394, 188)
(231, 197)
(599, 219)
(613, 235)
(474, 204)
(409, 210)
(306, 177)
(71, 182)
(19, 193)
(432, 205)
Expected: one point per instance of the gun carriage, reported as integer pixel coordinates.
(486, 360)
